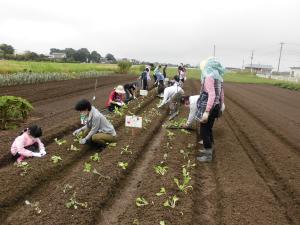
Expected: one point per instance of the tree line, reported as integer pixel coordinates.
(71, 55)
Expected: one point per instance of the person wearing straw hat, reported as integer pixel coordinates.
(115, 99)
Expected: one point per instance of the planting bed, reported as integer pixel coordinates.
(254, 178)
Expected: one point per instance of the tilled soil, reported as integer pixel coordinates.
(253, 179)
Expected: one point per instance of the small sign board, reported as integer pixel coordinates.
(133, 121)
(143, 92)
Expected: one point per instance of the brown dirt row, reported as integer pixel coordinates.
(56, 114)
(43, 169)
(89, 188)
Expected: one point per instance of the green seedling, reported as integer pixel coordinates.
(126, 150)
(185, 131)
(162, 222)
(123, 165)
(136, 222)
(73, 148)
(87, 167)
(186, 179)
(73, 203)
(140, 201)
(34, 205)
(171, 202)
(161, 170)
(189, 165)
(146, 120)
(67, 187)
(170, 134)
(96, 157)
(55, 159)
(169, 145)
(185, 154)
(60, 142)
(78, 137)
(161, 192)
(24, 167)
(165, 156)
(101, 175)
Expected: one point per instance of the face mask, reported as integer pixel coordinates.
(83, 118)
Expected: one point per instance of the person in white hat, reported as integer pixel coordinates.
(115, 99)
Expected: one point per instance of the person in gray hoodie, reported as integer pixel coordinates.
(97, 128)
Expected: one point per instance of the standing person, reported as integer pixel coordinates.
(210, 103)
(98, 129)
(28, 144)
(115, 99)
(165, 71)
(130, 90)
(172, 95)
(156, 72)
(160, 83)
(144, 78)
(191, 102)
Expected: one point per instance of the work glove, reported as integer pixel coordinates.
(43, 152)
(204, 117)
(36, 154)
(76, 132)
(82, 141)
(223, 107)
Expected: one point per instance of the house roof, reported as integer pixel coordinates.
(259, 66)
(295, 67)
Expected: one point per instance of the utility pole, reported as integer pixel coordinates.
(281, 45)
(214, 50)
(243, 64)
(251, 60)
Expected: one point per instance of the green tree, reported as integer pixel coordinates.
(70, 53)
(6, 49)
(82, 55)
(95, 56)
(110, 57)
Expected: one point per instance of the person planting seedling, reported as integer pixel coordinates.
(172, 95)
(115, 99)
(98, 130)
(28, 144)
(130, 90)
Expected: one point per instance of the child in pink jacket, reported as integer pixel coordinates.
(28, 144)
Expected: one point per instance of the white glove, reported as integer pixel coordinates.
(204, 117)
(36, 154)
(223, 107)
(82, 141)
(76, 132)
(43, 151)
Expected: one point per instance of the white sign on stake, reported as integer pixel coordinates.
(143, 92)
(133, 121)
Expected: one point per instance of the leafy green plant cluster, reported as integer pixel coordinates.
(125, 150)
(73, 203)
(140, 201)
(124, 66)
(123, 165)
(60, 142)
(34, 205)
(161, 170)
(55, 159)
(13, 108)
(184, 186)
(171, 202)
(24, 167)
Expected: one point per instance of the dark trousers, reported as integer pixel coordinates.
(206, 128)
(128, 96)
(145, 84)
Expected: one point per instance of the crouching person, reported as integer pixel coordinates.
(28, 144)
(115, 99)
(98, 130)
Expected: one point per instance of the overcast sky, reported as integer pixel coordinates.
(158, 30)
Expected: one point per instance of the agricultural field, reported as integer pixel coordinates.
(150, 175)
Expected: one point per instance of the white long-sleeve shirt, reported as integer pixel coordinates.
(169, 92)
(193, 108)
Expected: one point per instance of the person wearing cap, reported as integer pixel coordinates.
(28, 144)
(172, 95)
(115, 99)
(130, 89)
(144, 78)
(210, 104)
(97, 130)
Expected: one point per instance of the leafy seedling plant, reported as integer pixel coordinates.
(170, 134)
(171, 202)
(140, 201)
(73, 203)
(55, 159)
(189, 165)
(78, 137)
(100, 175)
(186, 179)
(161, 192)
(184, 153)
(73, 148)
(87, 167)
(185, 131)
(161, 170)
(24, 167)
(67, 187)
(125, 150)
(123, 165)
(111, 145)
(162, 222)
(96, 157)
(60, 142)
(34, 205)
